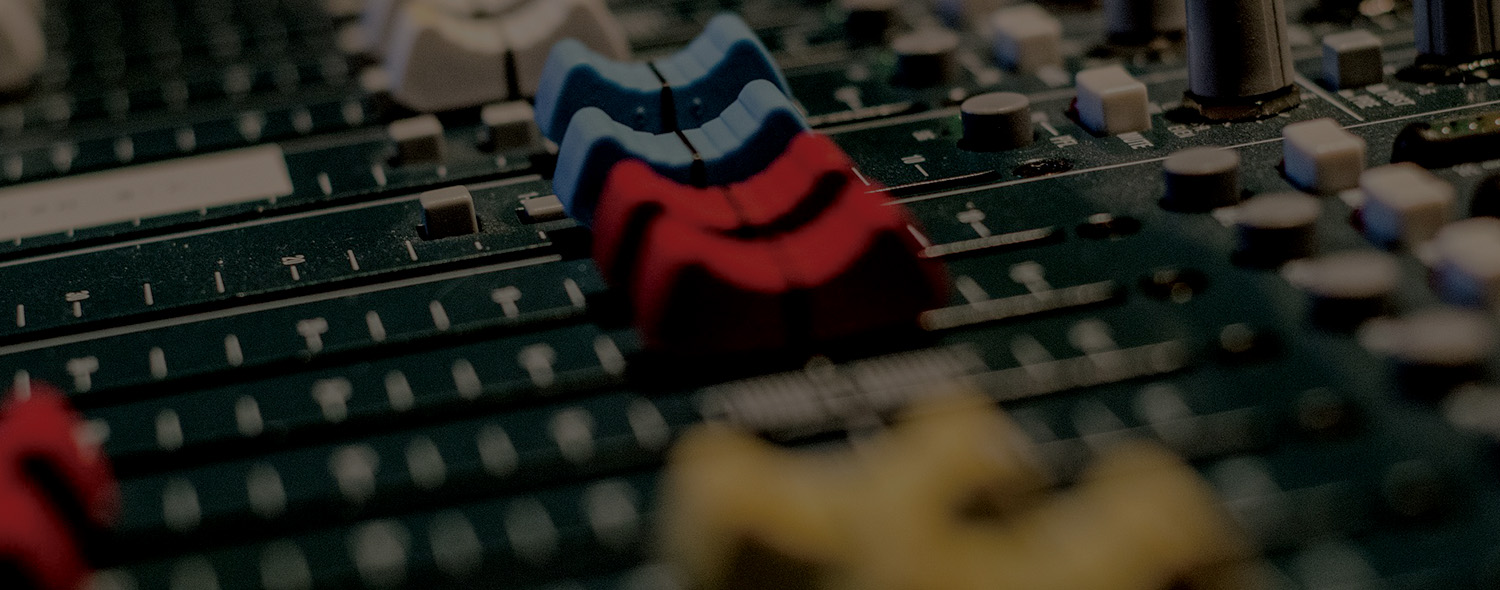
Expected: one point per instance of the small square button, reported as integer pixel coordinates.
(1405, 204)
(1111, 101)
(1322, 157)
(448, 212)
(1353, 59)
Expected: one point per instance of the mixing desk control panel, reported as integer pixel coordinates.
(749, 294)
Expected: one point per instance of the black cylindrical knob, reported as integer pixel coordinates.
(1144, 19)
(1456, 30)
(1239, 56)
(867, 22)
(997, 121)
(926, 58)
(1238, 48)
(1278, 227)
(1202, 179)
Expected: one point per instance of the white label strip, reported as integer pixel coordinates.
(148, 190)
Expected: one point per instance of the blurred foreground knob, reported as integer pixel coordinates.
(1027, 38)
(1278, 227)
(1467, 270)
(1136, 21)
(1347, 287)
(1434, 350)
(22, 47)
(868, 21)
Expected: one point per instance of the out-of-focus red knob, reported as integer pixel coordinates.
(54, 489)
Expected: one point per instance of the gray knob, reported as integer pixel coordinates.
(1456, 30)
(926, 57)
(868, 21)
(1202, 179)
(997, 121)
(1239, 59)
(1347, 287)
(1278, 227)
(22, 46)
(1144, 19)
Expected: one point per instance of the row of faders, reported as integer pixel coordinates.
(732, 226)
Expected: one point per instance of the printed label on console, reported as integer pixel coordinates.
(148, 190)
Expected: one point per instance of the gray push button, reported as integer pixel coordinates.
(448, 212)
(1353, 59)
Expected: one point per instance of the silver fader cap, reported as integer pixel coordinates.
(448, 212)
(997, 121)
(1353, 59)
(1405, 204)
(1347, 287)
(533, 28)
(437, 61)
(419, 140)
(1027, 38)
(1322, 157)
(1202, 179)
(1468, 262)
(443, 55)
(1278, 227)
(1111, 101)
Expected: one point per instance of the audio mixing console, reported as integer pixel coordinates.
(749, 294)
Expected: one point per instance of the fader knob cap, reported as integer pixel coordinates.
(997, 121)
(1202, 179)
(56, 491)
(439, 62)
(22, 46)
(534, 28)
